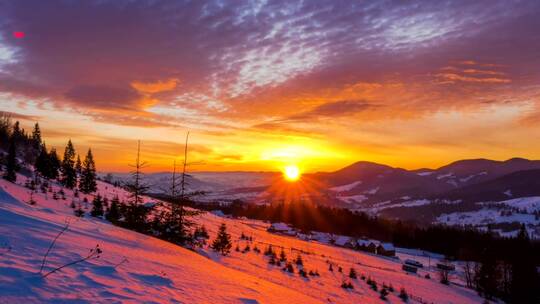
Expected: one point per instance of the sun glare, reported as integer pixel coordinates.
(291, 173)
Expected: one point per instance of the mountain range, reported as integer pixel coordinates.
(464, 189)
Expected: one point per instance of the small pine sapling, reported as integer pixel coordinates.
(282, 256)
(403, 295)
(289, 268)
(383, 293)
(352, 274)
(299, 261)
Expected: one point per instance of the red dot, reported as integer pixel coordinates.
(18, 35)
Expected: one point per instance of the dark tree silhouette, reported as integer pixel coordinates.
(97, 206)
(69, 176)
(11, 162)
(222, 243)
(87, 183)
(55, 163)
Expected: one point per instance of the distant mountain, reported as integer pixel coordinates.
(472, 171)
(367, 185)
(364, 184)
(471, 191)
(516, 184)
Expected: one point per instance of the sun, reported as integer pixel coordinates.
(291, 173)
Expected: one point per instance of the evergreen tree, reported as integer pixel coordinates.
(487, 276)
(5, 129)
(78, 166)
(135, 213)
(69, 178)
(87, 183)
(525, 279)
(282, 256)
(17, 134)
(222, 243)
(11, 163)
(43, 163)
(113, 214)
(36, 137)
(299, 261)
(97, 206)
(54, 163)
(200, 236)
(79, 212)
(352, 273)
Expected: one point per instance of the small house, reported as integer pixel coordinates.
(362, 244)
(344, 241)
(414, 263)
(372, 246)
(386, 249)
(281, 228)
(409, 268)
(446, 266)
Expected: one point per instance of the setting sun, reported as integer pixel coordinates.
(291, 173)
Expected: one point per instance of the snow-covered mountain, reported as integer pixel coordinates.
(135, 268)
(424, 195)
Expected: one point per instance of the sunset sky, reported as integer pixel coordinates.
(264, 84)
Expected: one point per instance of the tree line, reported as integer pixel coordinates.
(26, 150)
(505, 267)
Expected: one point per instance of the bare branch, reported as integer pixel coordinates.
(66, 226)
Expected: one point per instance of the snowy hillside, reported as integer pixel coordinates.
(136, 268)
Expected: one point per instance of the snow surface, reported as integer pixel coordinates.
(531, 204)
(484, 216)
(346, 187)
(136, 268)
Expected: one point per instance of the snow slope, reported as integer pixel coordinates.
(135, 268)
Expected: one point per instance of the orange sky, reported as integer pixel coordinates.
(264, 86)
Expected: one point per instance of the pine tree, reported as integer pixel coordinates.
(383, 293)
(79, 212)
(11, 165)
(78, 166)
(135, 213)
(525, 279)
(299, 261)
(69, 178)
(352, 273)
(403, 295)
(200, 236)
(487, 277)
(54, 163)
(87, 182)
(97, 206)
(17, 134)
(282, 256)
(136, 187)
(113, 214)
(36, 137)
(42, 164)
(222, 243)
(175, 222)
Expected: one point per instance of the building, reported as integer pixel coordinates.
(281, 228)
(362, 244)
(344, 241)
(409, 268)
(386, 249)
(414, 263)
(446, 266)
(372, 246)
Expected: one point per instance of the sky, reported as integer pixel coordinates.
(264, 84)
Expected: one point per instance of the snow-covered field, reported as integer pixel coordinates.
(136, 268)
